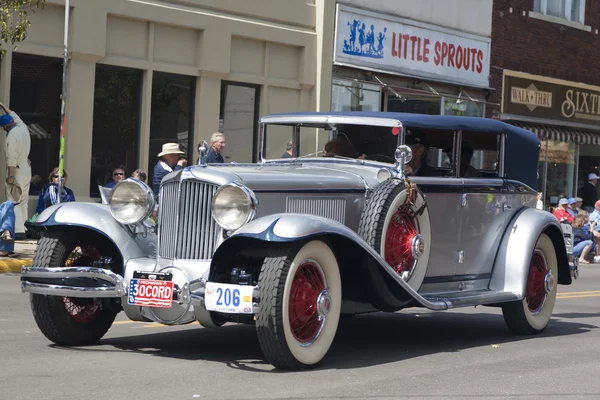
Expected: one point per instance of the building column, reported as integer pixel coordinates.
(80, 117)
(207, 109)
(5, 71)
(146, 114)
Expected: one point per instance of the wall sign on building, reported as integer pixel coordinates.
(553, 99)
(394, 45)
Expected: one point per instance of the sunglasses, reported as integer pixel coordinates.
(118, 173)
(56, 176)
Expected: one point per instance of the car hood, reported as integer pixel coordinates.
(291, 177)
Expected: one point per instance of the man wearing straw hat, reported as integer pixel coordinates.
(18, 168)
(169, 160)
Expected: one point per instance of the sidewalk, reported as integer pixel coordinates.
(25, 249)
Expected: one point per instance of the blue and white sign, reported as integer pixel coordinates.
(394, 45)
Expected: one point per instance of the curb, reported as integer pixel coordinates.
(14, 265)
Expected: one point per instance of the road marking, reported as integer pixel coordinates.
(586, 292)
(579, 296)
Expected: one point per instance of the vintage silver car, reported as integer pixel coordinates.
(414, 211)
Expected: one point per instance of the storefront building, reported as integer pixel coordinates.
(566, 116)
(545, 72)
(427, 58)
(144, 73)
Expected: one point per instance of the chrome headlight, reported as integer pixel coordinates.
(233, 206)
(131, 202)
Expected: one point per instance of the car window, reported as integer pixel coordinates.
(479, 155)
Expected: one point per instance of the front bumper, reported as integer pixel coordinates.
(93, 282)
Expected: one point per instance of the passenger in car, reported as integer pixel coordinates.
(417, 166)
(339, 147)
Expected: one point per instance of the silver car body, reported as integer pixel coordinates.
(472, 258)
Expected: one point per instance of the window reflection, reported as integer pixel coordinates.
(35, 88)
(560, 170)
(116, 123)
(415, 105)
(349, 95)
(172, 115)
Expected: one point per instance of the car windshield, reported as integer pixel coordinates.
(349, 141)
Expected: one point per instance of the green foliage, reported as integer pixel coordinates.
(14, 19)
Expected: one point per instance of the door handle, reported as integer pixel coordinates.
(504, 206)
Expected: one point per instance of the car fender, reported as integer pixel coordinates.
(289, 228)
(97, 217)
(511, 268)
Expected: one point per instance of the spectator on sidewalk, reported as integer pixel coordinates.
(139, 175)
(572, 207)
(50, 196)
(561, 211)
(217, 144)
(118, 175)
(7, 229)
(288, 150)
(18, 167)
(169, 160)
(590, 193)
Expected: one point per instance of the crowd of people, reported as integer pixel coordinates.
(586, 227)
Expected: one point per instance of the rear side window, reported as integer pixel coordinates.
(480, 155)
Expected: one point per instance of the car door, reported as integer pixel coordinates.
(485, 207)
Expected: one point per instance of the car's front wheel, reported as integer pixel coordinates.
(532, 314)
(301, 295)
(70, 321)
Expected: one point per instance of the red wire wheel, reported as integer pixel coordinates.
(398, 241)
(308, 284)
(536, 282)
(82, 310)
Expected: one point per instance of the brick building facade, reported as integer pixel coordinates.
(545, 77)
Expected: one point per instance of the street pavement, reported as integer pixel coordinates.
(457, 354)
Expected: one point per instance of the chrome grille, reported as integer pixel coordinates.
(187, 230)
(329, 207)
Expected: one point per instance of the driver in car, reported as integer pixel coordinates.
(417, 166)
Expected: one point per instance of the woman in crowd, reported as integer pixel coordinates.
(139, 175)
(49, 194)
(583, 238)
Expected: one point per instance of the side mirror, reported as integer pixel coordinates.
(202, 152)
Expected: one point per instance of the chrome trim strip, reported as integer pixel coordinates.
(325, 119)
(71, 291)
(73, 272)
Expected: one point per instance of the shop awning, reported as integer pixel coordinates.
(560, 133)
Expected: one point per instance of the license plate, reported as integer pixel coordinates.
(225, 298)
(150, 290)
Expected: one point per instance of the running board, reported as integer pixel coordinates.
(473, 298)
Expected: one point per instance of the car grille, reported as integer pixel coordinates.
(329, 207)
(187, 230)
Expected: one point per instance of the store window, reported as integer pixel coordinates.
(171, 116)
(116, 123)
(589, 162)
(349, 95)
(414, 104)
(239, 121)
(35, 89)
(571, 10)
(560, 166)
(462, 108)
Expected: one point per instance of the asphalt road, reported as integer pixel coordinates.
(459, 354)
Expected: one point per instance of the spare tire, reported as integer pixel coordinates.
(395, 222)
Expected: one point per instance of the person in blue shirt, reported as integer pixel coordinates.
(217, 144)
(169, 160)
(118, 175)
(49, 194)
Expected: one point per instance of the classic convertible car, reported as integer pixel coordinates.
(409, 211)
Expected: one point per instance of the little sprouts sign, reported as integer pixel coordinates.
(393, 45)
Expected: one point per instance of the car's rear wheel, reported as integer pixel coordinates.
(70, 321)
(301, 295)
(532, 314)
(395, 222)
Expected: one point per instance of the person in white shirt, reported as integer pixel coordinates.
(16, 151)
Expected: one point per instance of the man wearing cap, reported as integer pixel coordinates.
(572, 206)
(169, 160)
(561, 212)
(417, 166)
(589, 192)
(16, 151)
